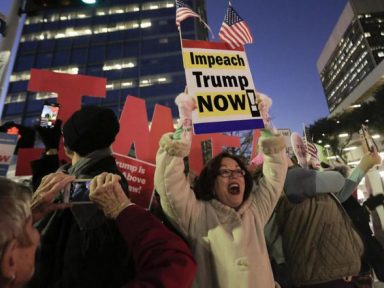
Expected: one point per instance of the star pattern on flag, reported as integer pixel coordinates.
(234, 30)
(183, 11)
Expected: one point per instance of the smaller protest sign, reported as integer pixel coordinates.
(7, 147)
(286, 133)
(139, 175)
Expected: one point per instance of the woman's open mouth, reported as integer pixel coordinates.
(234, 188)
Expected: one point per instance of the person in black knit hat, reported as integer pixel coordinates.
(80, 247)
(89, 129)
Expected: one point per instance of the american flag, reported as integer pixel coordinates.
(234, 30)
(183, 11)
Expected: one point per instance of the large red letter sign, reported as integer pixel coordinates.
(134, 129)
(70, 89)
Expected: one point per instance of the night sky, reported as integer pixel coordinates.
(288, 39)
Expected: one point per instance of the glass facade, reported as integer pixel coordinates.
(136, 46)
(360, 50)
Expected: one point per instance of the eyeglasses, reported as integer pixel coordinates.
(231, 173)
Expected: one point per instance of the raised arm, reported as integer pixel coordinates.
(161, 258)
(302, 183)
(366, 163)
(177, 198)
(275, 165)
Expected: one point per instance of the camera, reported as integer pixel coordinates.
(49, 115)
(77, 192)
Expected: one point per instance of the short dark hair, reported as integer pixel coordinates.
(205, 182)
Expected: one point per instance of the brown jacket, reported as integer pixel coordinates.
(319, 241)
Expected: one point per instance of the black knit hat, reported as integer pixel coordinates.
(89, 129)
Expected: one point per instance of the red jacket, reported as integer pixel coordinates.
(161, 258)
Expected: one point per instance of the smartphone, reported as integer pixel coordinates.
(371, 145)
(49, 115)
(77, 192)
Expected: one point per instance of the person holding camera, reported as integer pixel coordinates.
(80, 247)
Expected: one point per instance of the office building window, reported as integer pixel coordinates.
(133, 44)
(119, 64)
(70, 32)
(44, 95)
(158, 5)
(15, 98)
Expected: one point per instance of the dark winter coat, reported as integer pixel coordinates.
(80, 247)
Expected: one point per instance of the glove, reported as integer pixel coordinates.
(270, 143)
(368, 161)
(50, 136)
(264, 104)
(27, 137)
(186, 104)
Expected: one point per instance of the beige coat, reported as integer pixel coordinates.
(228, 245)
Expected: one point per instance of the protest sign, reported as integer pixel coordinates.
(286, 133)
(24, 158)
(219, 79)
(140, 176)
(7, 147)
(134, 123)
(135, 129)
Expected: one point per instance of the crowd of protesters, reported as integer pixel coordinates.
(275, 222)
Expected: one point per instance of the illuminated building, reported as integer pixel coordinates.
(134, 44)
(351, 65)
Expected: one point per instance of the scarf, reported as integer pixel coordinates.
(87, 216)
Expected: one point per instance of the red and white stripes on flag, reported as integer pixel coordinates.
(183, 12)
(234, 30)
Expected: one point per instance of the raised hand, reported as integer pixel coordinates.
(49, 188)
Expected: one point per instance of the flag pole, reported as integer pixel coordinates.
(181, 47)
(305, 137)
(305, 134)
(180, 37)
